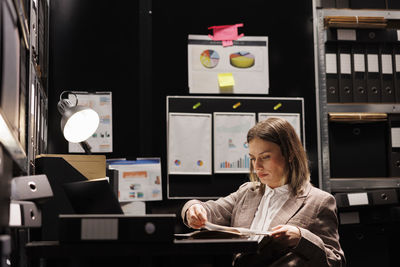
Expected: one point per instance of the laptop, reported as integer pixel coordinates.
(92, 197)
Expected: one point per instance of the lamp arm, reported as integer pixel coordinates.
(86, 147)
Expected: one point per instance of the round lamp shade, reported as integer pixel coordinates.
(79, 123)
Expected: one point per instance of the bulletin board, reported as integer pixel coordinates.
(209, 179)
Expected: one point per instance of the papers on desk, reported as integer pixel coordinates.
(214, 231)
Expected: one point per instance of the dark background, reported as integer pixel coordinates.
(138, 51)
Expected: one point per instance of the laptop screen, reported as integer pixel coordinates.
(92, 197)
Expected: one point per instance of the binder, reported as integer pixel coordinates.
(345, 76)
(376, 35)
(359, 74)
(358, 149)
(386, 60)
(396, 56)
(394, 148)
(373, 74)
(332, 82)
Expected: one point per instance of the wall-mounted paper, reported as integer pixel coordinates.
(230, 145)
(247, 60)
(292, 118)
(102, 140)
(189, 143)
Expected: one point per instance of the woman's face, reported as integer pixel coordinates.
(268, 162)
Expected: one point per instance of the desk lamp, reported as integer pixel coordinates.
(78, 123)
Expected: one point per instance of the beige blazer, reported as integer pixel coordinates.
(313, 211)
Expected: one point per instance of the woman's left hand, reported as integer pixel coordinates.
(288, 235)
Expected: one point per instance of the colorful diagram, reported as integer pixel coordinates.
(240, 163)
(230, 143)
(200, 163)
(209, 58)
(177, 162)
(242, 59)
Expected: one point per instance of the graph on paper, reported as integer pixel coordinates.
(230, 146)
(243, 162)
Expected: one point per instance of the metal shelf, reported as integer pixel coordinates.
(359, 184)
(387, 14)
(323, 108)
(354, 107)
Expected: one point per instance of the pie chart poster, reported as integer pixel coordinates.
(246, 61)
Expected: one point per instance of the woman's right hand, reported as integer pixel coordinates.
(196, 216)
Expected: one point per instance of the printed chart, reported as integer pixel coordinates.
(230, 145)
(209, 58)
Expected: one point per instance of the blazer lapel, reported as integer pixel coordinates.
(249, 208)
(291, 206)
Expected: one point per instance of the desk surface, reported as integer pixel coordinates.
(56, 250)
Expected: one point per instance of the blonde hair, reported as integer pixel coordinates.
(280, 132)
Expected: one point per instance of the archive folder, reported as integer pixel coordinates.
(386, 60)
(394, 148)
(345, 77)
(332, 83)
(396, 52)
(378, 35)
(373, 74)
(359, 74)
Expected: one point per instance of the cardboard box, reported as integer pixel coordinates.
(91, 166)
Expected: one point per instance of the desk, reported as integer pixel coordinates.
(177, 253)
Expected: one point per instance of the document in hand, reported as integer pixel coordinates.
(214, 231)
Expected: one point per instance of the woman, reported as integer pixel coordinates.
(302, 219)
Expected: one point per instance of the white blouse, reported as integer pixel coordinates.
(271, 202)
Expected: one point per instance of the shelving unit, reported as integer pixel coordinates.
(38, 62)
(324, 108)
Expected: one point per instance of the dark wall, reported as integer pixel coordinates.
(141, 57)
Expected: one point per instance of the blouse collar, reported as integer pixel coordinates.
(284, 189)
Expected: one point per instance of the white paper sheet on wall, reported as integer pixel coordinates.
(231, 153)
(102, 140)
(189, 143)
(246, 63)
(292, 118)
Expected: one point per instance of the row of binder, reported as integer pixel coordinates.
(361, 35)
(364, 145)
(362, 73)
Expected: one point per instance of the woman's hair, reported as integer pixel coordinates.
(280, 132)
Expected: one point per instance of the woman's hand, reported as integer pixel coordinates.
(287, 235)
(196, 216)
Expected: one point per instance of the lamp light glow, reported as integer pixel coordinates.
(81, 125)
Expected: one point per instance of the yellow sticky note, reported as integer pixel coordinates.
(225, 80)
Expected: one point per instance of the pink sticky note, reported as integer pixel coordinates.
(226, 33)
